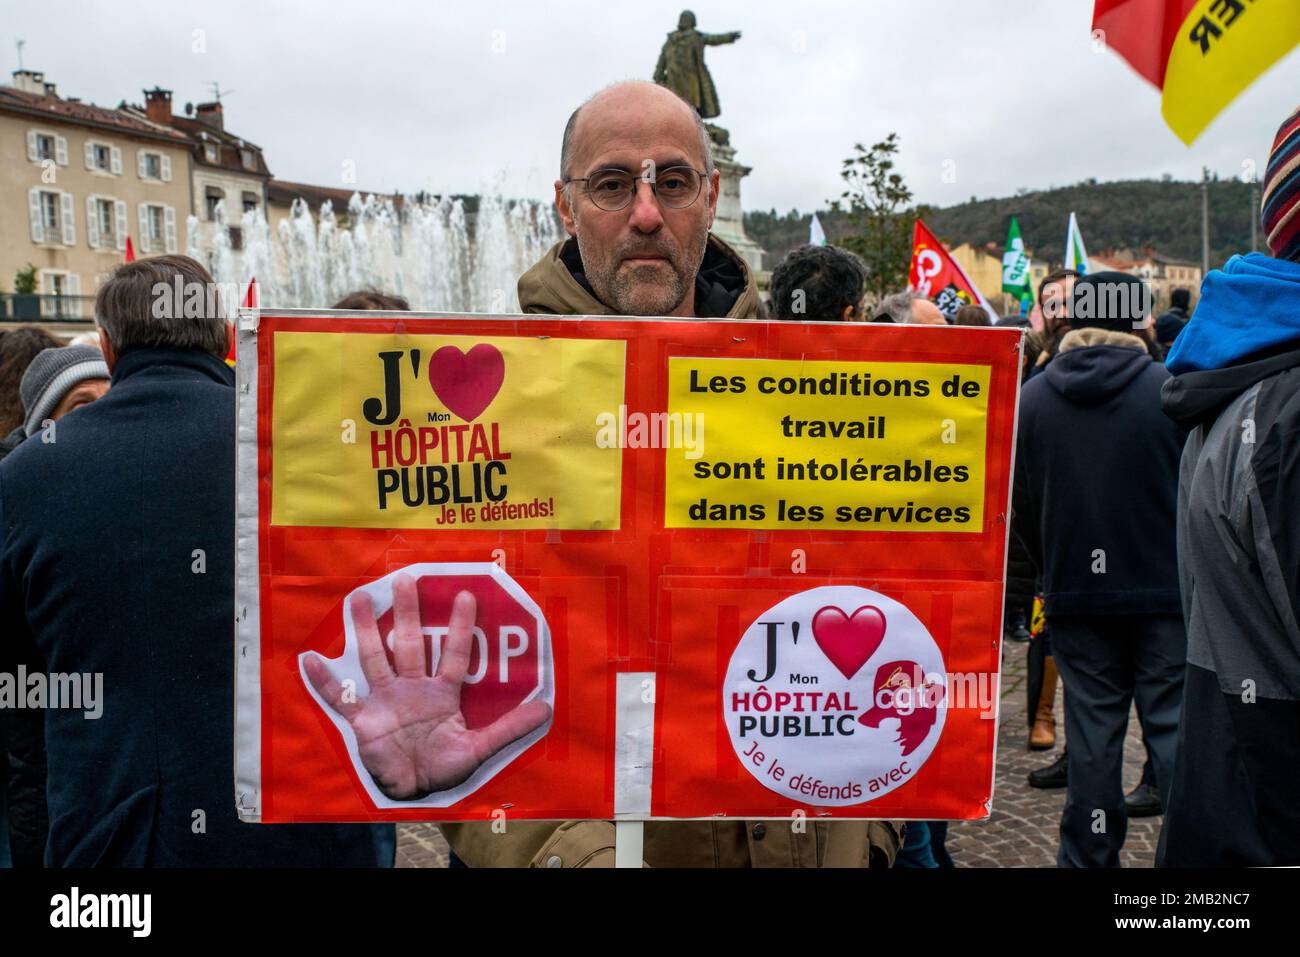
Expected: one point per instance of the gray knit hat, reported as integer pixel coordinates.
(52, 375)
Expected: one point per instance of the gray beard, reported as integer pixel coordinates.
(617, 291)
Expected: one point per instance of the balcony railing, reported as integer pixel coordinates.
(45, 308)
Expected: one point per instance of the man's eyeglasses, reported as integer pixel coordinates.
(612, 189)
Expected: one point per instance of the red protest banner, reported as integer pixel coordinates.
(588, 568)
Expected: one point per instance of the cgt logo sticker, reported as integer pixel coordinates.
(835, 696)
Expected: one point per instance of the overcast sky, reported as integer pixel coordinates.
(467, 97)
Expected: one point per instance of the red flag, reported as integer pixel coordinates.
(936, 275)
(130, 250)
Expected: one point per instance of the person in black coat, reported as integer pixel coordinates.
(1171, 323)
(118, 563)
(1097, 469)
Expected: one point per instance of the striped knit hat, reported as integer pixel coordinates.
(1280, 209)
(52, 375)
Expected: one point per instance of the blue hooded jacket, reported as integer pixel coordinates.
(1247, 307)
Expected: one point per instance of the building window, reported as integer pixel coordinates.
(152, 163)
(246, 157)
(44, 146)
(155, 227)
(60, 291)
(250, 202)
(212, 152)
(50, 217)
(212, 202)
(236, 238)
(103, 158)
(106, 216)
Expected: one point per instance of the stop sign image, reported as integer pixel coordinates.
(509, 668)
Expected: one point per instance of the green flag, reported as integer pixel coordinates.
(1015, 267)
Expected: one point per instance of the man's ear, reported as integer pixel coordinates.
(850, 313)
(106, 347)
(565, 211)
(715, 180)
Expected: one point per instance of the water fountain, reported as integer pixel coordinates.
(434, 251)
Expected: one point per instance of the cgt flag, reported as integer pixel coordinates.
(936, 275)
(1199, 53)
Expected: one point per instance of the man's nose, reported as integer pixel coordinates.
(645, 215)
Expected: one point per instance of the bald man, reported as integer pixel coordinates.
(637, 193)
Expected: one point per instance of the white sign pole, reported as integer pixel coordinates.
(634, 736)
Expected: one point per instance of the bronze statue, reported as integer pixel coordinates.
(681, 64)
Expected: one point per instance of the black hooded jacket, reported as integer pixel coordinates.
(1097, 479)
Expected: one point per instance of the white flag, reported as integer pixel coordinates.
(816, 235)
(1076, 256)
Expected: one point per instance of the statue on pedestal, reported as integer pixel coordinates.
(681, 69)
(681, 64)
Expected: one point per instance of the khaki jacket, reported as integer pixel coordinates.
(549, 287)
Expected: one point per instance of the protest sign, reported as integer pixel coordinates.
(589, 568)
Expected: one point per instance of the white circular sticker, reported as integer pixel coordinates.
(835, 696)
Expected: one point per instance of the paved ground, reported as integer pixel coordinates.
(1022, 831)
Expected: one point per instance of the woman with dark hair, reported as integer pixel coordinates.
(18, 347)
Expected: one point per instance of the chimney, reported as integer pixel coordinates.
(32, 81)
(210, 114)
(158, 106)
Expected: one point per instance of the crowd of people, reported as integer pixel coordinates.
(1154, 556)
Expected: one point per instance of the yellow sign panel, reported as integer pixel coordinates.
(407, 431)
(889, 446)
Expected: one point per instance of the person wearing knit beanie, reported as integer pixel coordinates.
(1280, 201)
(1115, 301)
(58, 381)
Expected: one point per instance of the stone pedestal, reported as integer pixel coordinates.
(728, 221)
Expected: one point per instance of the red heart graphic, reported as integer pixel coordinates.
(467, 382)
(849, 641)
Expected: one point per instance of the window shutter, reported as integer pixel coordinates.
(166, 168)
(61, 150)
(69, 220)
(92, 223)
(169, 227)
(90, 155)
(74, 287)
(31, 146)
(139, 164)
(34, 210)
(115, 160)
(119, 218)
(143, 211)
